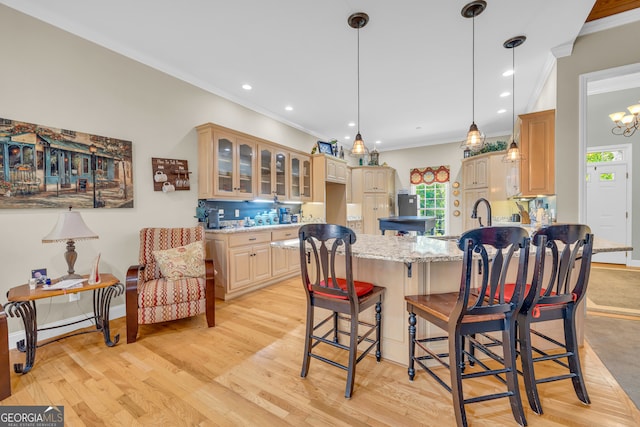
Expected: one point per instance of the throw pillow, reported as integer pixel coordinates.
(183, 261)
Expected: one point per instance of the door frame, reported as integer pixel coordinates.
(584, 80)
(627, 155)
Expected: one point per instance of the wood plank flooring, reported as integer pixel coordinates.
(246, 372)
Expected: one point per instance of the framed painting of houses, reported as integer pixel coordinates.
(46, 167)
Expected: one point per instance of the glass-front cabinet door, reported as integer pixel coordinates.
(300, 181)
(273, 166)
(234, 164)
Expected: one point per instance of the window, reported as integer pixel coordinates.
(433, 201)
(604, 156)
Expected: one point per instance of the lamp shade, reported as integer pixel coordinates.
(70, 226)
(358, 146)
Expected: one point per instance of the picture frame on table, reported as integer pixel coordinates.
(325, 147)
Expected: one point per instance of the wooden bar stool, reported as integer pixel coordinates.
(471, 311)
(325, 245)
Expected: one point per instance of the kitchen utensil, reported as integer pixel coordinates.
(524, 215)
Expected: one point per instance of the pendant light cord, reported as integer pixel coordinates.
(513, 93)
(473, 70)
(358, 71)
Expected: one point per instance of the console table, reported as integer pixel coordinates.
(22, 303)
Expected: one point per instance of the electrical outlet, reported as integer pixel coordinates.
(237, 213)
(74, 297)
(220, 211)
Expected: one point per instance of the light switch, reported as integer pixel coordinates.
(237, 213)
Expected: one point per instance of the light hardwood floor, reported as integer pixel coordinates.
(246, 371)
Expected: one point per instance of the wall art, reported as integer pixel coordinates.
(46, 167)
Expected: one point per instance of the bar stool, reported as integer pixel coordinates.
(469, 311)
(324, 248)
(557, 297)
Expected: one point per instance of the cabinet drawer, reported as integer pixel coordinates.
(241, 239)
(288, 234)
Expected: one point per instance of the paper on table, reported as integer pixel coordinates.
(64, 284)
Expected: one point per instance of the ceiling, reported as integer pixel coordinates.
(415, 58)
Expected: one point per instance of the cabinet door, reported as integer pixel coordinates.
(296, 178)
(475, 173)
(376, 180)
(240, 274)
(336, 171)
(482, 172)
(306, 179)
(293, 260)
(265, 176)
(261, 264)
(299, 177)
(245, 168)
(537, 142)
(374, 206)
(281, 168)
(468, 199)
(279, 261)
(224, 153)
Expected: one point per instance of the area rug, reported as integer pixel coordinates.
(612, 290)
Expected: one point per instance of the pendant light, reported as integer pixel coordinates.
(474, 140)
(513, 153)
(358, 20)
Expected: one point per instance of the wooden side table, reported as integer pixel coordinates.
(22, 303)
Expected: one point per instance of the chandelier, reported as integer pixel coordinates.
(626, 124)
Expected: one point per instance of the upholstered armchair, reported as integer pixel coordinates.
(173, 280)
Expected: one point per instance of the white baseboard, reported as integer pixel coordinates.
(633, 263)
(114, 313)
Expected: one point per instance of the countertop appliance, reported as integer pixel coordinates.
(213, 219)
(285, 216)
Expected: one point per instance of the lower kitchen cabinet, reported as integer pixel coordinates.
(245, 261)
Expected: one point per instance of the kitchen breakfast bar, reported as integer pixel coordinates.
(410, 265)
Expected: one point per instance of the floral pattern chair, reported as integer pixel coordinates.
(173, 280)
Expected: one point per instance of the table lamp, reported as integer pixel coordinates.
(70, 227)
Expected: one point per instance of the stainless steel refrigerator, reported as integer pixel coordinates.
(407, 205)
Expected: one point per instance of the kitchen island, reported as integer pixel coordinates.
(410, 265)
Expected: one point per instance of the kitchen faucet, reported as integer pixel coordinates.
(474, 212)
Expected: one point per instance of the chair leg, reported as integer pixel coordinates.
(353, 353)
(571, 343)
(456, 364)
(307, 342)
(509, 355)
(336, 337)
(412, 346)
(526, 356)
(378, 330)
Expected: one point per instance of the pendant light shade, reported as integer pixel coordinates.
(513, 153)
(474, 140)
(358, 20)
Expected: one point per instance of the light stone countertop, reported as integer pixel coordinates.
(255, 229)
(422, 248)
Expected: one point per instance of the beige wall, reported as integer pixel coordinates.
(52, 78)
(593, 52)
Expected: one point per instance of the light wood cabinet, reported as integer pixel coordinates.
(273, 165)
(336, 170)
(483, 176)
(374, 188)
(226, 167)
(475, 172)
(236, 166)
(537, 142)
(245, 261)
(300, 177)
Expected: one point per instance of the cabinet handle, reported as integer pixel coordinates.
(252, 239)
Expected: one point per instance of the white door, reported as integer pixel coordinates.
(607, 208)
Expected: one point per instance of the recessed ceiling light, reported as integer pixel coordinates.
(505, 94)
(378, 142)
(351, 124)
(347, 137)
(288, 108)
(246, 86)
(507, 73)
(501, 111)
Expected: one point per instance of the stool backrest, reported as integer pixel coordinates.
(493, 249)
(567, 244)
(325, 243)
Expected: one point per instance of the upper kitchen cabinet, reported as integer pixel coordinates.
(273, 166)
(537, 144)
(475, 172)
(226, 164)
(300, 178)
